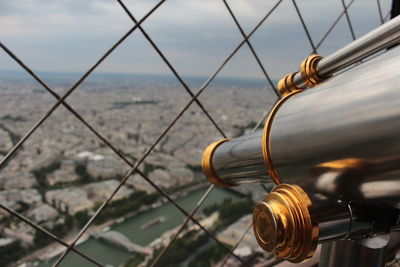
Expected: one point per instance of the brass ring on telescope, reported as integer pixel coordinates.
(308, 70)
(286, 85)
(266, 146)
(206, 164)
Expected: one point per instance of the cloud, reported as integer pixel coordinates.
(196, 35)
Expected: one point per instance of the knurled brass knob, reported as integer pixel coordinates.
(283, 223)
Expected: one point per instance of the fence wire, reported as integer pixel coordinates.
(61, 100)
(314, 49)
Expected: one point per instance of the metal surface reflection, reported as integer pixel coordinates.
(353, 115)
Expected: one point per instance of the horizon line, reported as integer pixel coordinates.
(166, 75)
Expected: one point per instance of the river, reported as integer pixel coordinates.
(112, 255)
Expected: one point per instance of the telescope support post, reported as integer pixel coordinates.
(346, 253)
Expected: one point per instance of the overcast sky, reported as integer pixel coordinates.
(195, 35)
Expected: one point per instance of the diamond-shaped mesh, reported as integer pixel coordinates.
(135, 166)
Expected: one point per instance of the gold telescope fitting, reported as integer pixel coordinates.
(286, 85)
(266, 145)
(206, 164)
(288, 88)
(283, 223)
(308, 70)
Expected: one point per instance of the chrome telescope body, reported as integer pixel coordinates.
(317, 119)
(333, 151)
(353, 115)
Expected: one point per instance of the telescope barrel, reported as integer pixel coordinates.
(240, 160)
(353, 115)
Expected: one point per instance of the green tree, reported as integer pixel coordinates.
(82, 217)
(11, 252)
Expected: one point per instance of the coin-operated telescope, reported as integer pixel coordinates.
(333, 152)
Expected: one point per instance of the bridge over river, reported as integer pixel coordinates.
(121, 240)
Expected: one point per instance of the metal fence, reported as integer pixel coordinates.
(194, 99)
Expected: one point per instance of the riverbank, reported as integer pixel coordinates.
(130, 227)
(54, 248)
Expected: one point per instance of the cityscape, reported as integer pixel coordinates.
(64, 172)
(111, 175)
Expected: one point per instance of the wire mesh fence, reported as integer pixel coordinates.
(194, 95)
